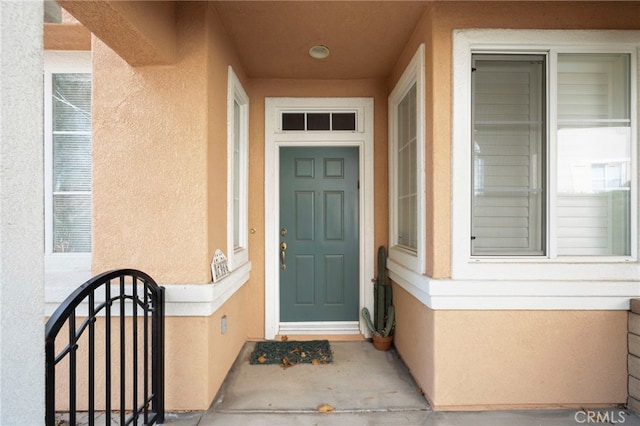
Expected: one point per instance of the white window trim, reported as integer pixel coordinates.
(58, 265)
(413, 74)
(466, 267)
(237, 256)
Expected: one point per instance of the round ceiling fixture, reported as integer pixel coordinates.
(319, 52)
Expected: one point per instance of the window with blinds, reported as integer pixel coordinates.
(588, 213)
(508, 155)
(407, 175)
(237, 172)
(71, 162)
(594, 155)
(407, 190)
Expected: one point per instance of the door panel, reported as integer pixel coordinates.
(319, 210)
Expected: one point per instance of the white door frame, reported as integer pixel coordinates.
(276, 138)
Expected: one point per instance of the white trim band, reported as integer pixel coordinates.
(181, 300)
(439, 294)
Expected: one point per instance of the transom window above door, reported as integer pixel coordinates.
(319, 121)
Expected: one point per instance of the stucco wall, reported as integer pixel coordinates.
(21, 208)
(513, 359)
(199, 356)
(150, 160)
(414, 337)
(159, 150)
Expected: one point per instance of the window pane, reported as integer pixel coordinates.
(236, 174)
(71, 102)
(508, 155)
(72, 162)
(318, 121)
(594, 155)
(72, 223)
(407, 202)
(343, 121)
(292, 121)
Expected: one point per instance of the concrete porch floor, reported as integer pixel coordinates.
(365, 387)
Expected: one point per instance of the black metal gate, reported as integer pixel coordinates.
(122, 318)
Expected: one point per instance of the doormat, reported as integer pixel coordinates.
(288, 354)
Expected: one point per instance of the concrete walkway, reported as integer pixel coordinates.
(361, 387)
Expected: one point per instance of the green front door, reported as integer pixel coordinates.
(319, 241)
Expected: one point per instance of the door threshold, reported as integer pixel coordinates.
(319, 328)
(330, 337)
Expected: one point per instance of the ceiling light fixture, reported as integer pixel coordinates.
(319, 52)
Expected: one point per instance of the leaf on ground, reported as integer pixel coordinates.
(315, 362)
(285, 338)
(286, 363)
(325, 408)
(262, 359)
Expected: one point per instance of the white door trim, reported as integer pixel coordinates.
(276, 138)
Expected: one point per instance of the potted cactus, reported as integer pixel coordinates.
(382, 324)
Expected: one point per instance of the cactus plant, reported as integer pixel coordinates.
(383, 311)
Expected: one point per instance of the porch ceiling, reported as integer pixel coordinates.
(365, 37)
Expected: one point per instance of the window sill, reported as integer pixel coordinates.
(407, 259)
(587, 260)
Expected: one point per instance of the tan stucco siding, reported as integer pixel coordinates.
(159, 195)
(513, 359)
(160, 150)
(198, 355)
(414, 338)
(142, 32)
(530, 358)
(149, 176)
(66, 37)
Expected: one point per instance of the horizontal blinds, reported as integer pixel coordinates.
(407, 202)
(507, 146)
(594, 155)
(71, 180)
(72, 102)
